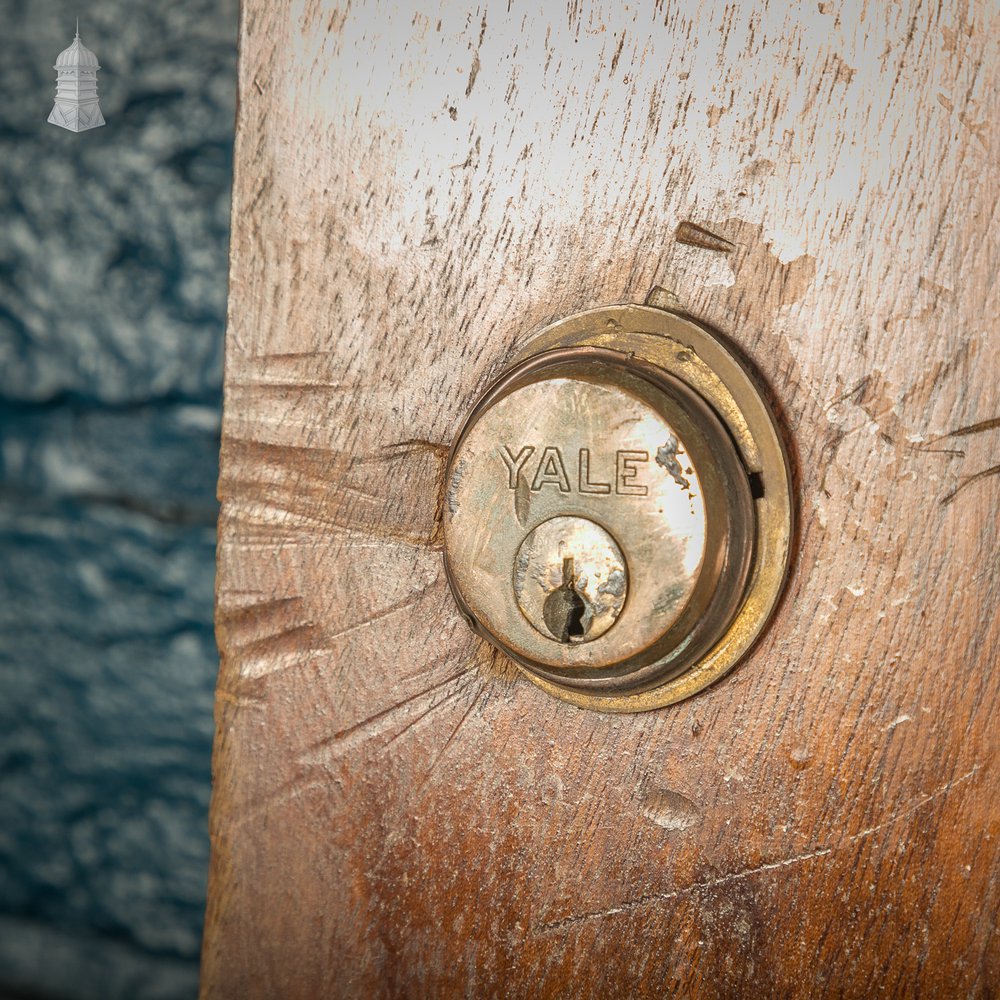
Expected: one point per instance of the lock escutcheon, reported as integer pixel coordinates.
(603, 522)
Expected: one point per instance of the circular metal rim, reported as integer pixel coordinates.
(645, 672)
(680, 345)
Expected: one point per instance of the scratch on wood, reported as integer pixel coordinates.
(302, 783)
(993, 470)
(373, 726)
(714, 883)
(286, 385)
(447, 743)
(939, 792)
(662, 897)
(977, 428)
(618, 53)
(856, 394)
(432, 708)
(697, 236)
(473, 73)
(938, 451)
(393, 609)
(287, 790)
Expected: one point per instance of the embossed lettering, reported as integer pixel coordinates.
(551, 472)
(586, 486)
(514, 462)
(625, 484)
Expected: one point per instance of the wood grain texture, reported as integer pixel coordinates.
(396, 813)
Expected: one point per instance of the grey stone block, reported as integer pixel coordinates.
(113, 258)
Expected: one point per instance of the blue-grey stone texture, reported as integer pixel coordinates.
(113, 258)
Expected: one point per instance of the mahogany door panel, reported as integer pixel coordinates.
(397, 811)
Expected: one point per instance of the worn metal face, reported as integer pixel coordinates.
(568, 446)
(570, 579)
(599, 523)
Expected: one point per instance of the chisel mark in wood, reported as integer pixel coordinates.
(244, 608)
(670, 809)
(286, 637)
(697, 236)
(293, 356)
(418, 444)
(239, 700)
(296, 645)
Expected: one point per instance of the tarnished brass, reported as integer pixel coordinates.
(618, 509)
(570, 579)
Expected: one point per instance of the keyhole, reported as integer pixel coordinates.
(580, 603)
(564, 609)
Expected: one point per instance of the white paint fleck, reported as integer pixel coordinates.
(820, 508)
(786, 244)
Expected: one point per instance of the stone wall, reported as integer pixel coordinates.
(113, 254)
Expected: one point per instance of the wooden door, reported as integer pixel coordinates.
(397, 812)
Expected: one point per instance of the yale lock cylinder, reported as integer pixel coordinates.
(618, 512)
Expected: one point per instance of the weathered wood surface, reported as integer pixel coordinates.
(396, 812)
